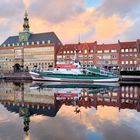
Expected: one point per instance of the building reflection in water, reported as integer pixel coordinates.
(21, 98)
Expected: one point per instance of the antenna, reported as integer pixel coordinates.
(79, 39)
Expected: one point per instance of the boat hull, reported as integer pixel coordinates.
(72, 78)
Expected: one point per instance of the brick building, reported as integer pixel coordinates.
(28, 49)
(120, 56)
(107, 55)
(85, 53)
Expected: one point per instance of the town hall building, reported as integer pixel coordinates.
(28, 49)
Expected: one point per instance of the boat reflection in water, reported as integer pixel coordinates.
(46, 99)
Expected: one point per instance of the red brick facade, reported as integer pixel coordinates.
(121, 55)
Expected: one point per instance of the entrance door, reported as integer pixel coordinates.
(17, 67)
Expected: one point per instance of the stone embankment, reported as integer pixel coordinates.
(16, 76)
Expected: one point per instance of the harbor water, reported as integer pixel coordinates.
(60, 111)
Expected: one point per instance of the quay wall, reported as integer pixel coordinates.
(16, 76)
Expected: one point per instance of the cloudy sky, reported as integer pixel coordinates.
(106, 21)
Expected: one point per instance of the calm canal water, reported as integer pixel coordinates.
(36, 111)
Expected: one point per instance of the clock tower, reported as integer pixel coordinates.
(24, 36)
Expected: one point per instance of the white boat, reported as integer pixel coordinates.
(74, 73)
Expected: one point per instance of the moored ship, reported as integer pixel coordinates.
(74, 73)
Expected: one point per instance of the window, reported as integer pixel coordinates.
(106, 51)
(67, 51)
(114, 56)
(135, 50)
(114, 62)
(91, 51)
(130, 50)
(106, 57)
(131, 62)
(64, 51)
(90, 56)
(126, 62)
(135, 62)
(99, 51)
(99, 57)
(49, 41)
(33, 43)
(37, 42)
(122, 62)
(126, 50)
(126, 55)
(122, 50)
(113, 50)
(85, 51)
(59, 56)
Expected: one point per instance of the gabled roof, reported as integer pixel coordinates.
(79, 46)
(49, 36)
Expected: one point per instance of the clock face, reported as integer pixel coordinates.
(22, 37)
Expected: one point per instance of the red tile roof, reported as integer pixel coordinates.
(107, 46)
(124, 45)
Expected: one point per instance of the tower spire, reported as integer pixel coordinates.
(26, 26)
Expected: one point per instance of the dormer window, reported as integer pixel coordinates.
(13, 44)
(37, 42)
(8, 44)
(22, 43)
(43, 42)
(49, 41)
(27, 43)
(33, 43)
(4, 45)
(17, 44)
